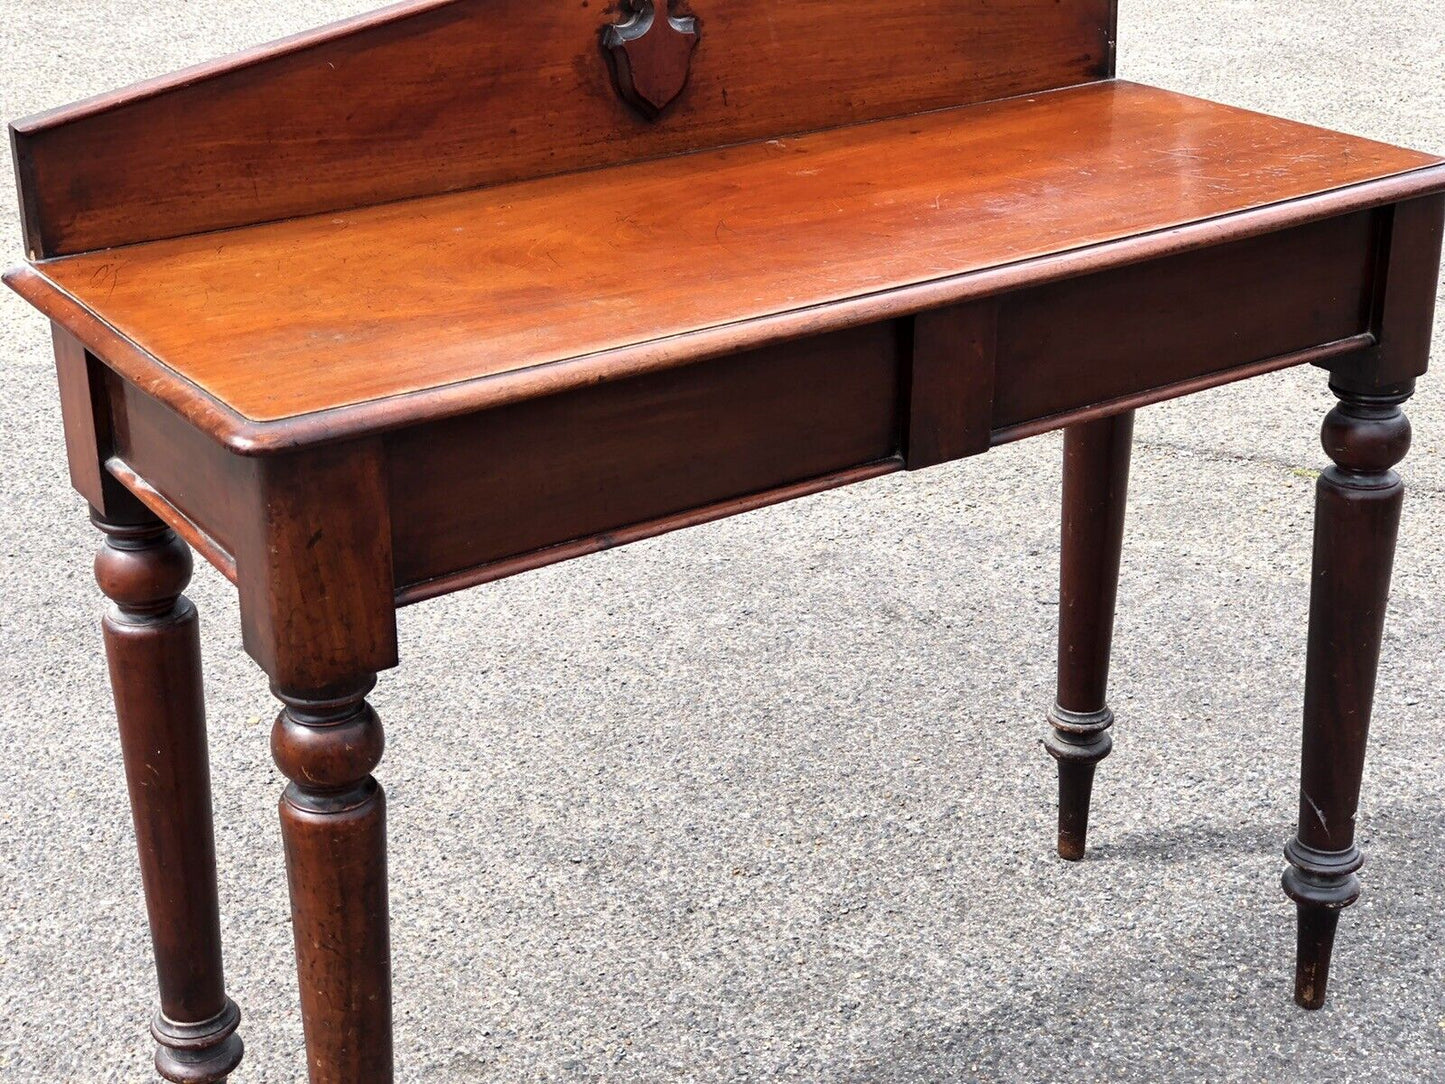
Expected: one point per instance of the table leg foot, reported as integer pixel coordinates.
(1314, 944)
(1357, 519)
(333, 822)
(1096, 481)
(153, 646)
(1322, 884)
(1078, 742)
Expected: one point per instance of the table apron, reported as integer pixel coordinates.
(489, 494)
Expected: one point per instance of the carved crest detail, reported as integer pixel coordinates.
(650, 54)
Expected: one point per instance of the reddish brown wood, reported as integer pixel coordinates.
(152, 642)
(88, 421)
(1357, 520)
(408, 594)
(312, 539)
(313, 564)
(83, 429)
(1403, 312)
(333, 822)
(492, 91)
(274, 322)
(751, 426)
(650, 52)
(211, 488)
(467, 396)
(1075, 343)
(1096, 484)
(598, 460)
(1338, 352)
(951, 383)
(307, 538)
(157, 504)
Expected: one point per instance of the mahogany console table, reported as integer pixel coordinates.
(464, 287)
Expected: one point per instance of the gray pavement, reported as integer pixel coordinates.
(766, 800)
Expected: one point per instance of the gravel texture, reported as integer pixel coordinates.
(766, 799)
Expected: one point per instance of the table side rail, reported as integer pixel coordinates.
(489, 494)
(1419, 193)
(495, 486)
(1259, 303)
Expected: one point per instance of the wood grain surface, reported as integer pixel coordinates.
(431, 97)
(282, 320)
(600, 459)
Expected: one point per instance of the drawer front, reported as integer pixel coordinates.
(1079, 342)
(487, 487)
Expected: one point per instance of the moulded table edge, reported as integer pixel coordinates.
(249, 437)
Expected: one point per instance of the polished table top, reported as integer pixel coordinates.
(285, 319)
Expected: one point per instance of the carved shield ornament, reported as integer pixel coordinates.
(650, 53)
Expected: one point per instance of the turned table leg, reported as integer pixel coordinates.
(1096, 482)
(333, 821)
(152, 642)
(1357, 518)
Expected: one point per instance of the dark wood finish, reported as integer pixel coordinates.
(493, 91)
(314, 567)
(467, 396)
(306, 538)
(153, 644)
(205, 493)
(650, 53)
(83, 429)
(1074, 343)
(1357, 519)
(86, 416)
(1096, 485)
(650, 528)
(590, 468)
(590, 462)
(1341, 351)
(951, 383)
(469, 313)
(1403, 314)
(158, 505)
(582, 470)
(333, 822)
(179, 461)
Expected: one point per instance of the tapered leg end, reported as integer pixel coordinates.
(1316, 943)
(1076, 788)
(1322, 884)
(1078, 742)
